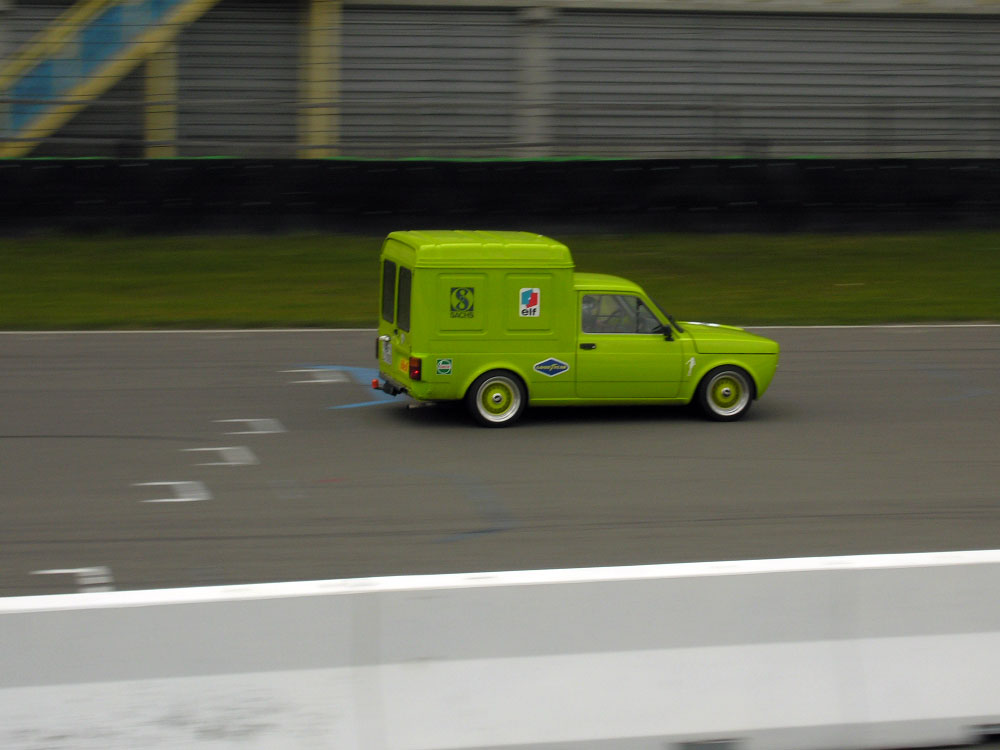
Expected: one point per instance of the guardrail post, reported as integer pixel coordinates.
(6, 50)
(161, 103)
(319, 118)
(533, 126)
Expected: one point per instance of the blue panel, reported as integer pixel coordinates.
(159, 8)
(100, 39)
(38, 83)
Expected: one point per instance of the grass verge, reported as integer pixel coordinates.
(331, 280)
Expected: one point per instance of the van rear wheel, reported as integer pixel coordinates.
(496, 398)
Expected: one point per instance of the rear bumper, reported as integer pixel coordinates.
(388, 385)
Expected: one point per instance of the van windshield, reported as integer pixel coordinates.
(668, 316)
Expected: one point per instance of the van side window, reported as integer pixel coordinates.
(403, 298)
(388, 289)
(616, 313)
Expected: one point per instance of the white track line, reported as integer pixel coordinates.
(231, 455)
(256, 426)
(90, 580)
(493, 580)
(184, 492)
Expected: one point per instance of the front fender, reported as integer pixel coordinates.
(760, 367)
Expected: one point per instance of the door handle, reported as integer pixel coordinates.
(588, 346)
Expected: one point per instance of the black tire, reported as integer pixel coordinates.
(725, 393)
(496, 399)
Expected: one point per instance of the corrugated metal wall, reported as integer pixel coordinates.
(516, 82)
(239, 80)
(428, 81)
(766, 85)
(111, 126)
(25, 19)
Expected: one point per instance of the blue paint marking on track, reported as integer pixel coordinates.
(971, 393)
(470, 534)
(959, 382)
(363, 403)
(483, 499)
(486, 504)
(361, 376)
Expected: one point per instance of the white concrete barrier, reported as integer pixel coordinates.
(846, 652)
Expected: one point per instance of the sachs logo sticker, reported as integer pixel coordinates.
(551, 367)
(463, 302)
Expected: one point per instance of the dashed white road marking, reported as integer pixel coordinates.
(323, 376)
(234, 455)
(184, 492)
(255, 426)
(88, 579)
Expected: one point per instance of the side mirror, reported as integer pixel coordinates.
(667, 331)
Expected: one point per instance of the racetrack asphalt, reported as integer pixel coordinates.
(871, 440)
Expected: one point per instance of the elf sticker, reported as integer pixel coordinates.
(531, 302)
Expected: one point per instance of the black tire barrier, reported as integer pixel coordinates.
(341, 195)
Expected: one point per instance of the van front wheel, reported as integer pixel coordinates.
(725, 394)
(496, 398)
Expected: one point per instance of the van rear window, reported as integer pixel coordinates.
(388, 289)
(403, 298)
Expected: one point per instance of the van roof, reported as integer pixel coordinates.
(585, 282)
(479, 249)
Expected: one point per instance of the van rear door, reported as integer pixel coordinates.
(393, 346)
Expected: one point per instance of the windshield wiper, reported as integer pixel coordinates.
(674, 323)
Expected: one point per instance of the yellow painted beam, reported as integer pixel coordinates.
(104, 78)
(161, 103)
(319, 117)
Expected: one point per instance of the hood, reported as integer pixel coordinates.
(712, 338)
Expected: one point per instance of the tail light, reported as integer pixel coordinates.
(415, 367)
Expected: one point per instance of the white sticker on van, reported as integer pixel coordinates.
(531, 302)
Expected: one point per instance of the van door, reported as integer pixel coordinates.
(394, 326)
(620, 351)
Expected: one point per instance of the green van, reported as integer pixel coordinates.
(501, 320)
